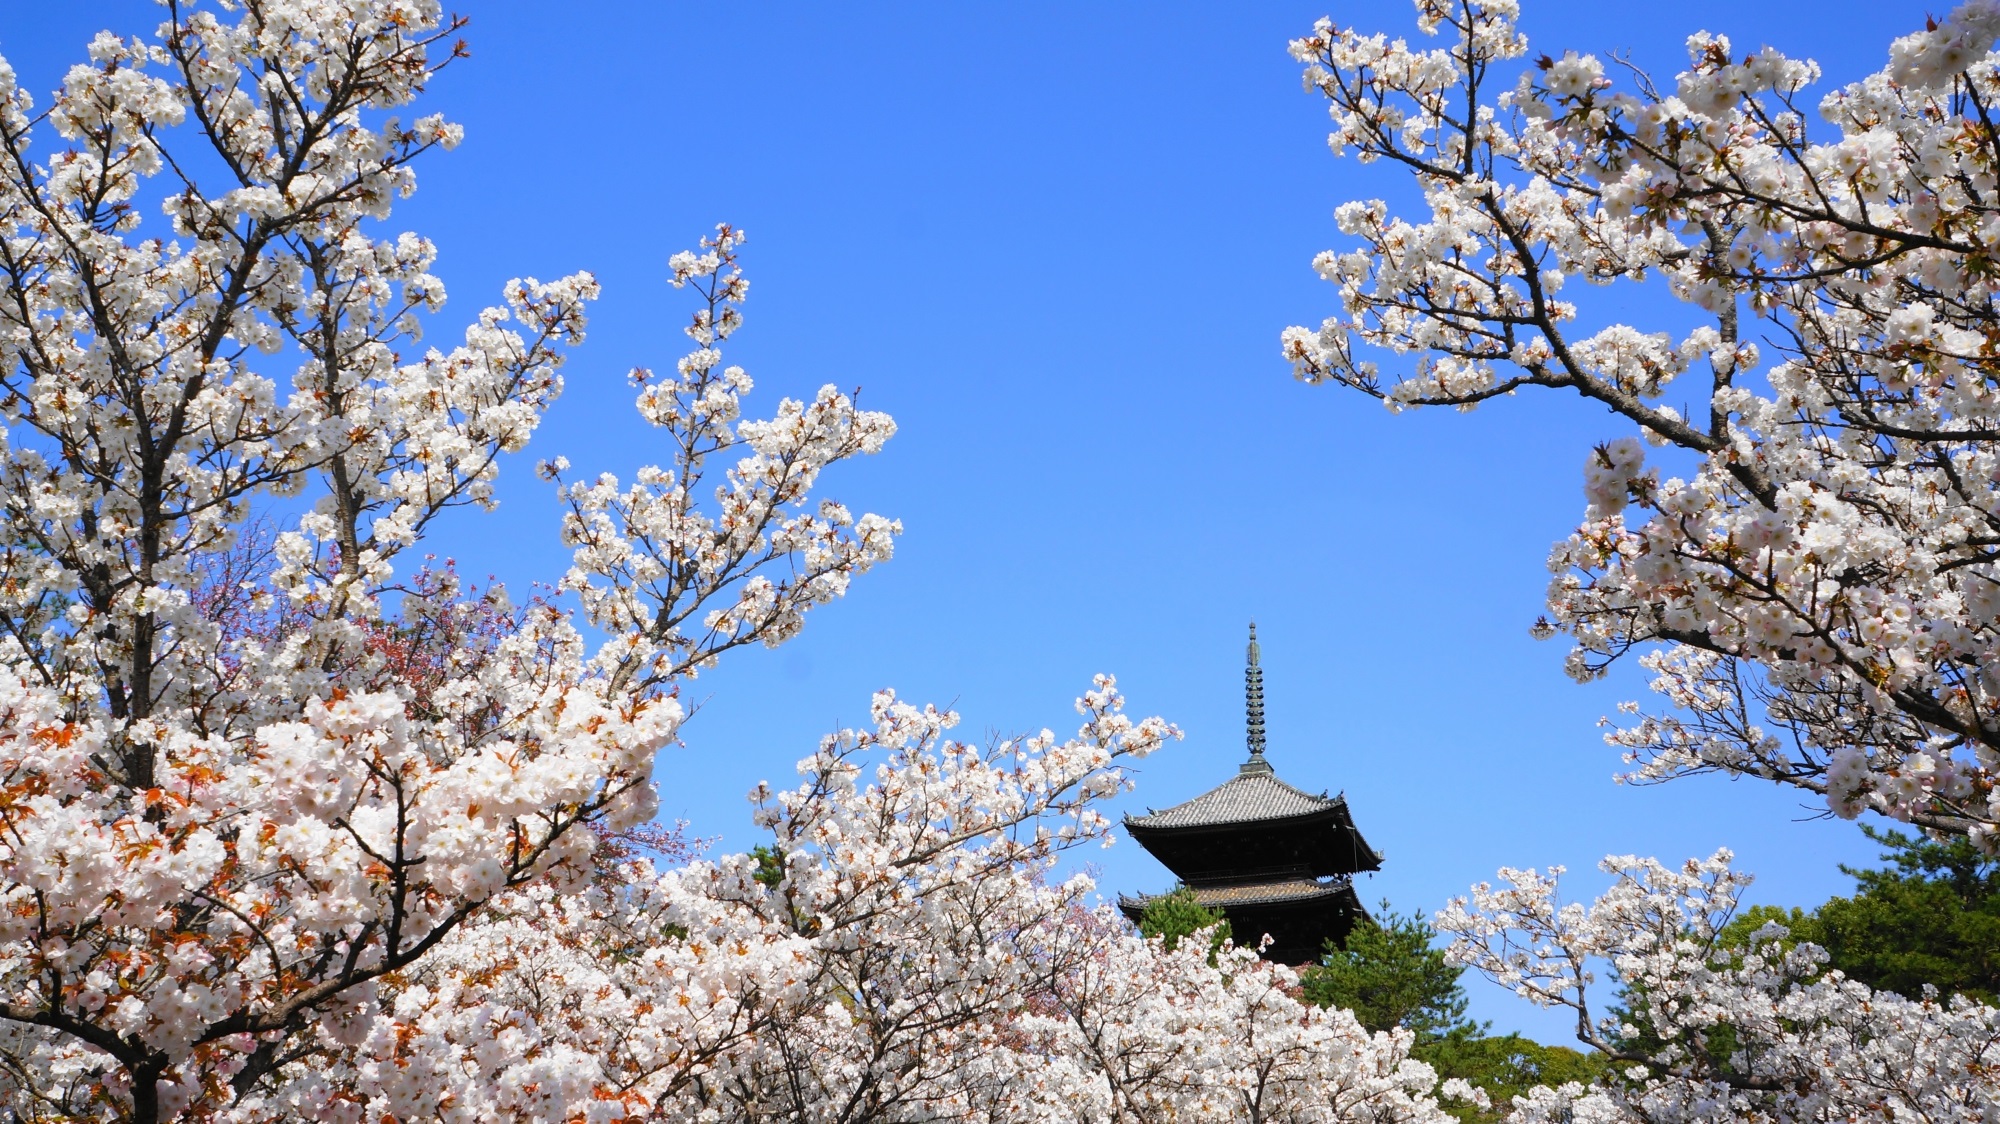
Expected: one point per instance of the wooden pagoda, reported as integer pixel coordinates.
(1270, 858)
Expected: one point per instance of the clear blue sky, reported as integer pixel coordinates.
(1057, 242)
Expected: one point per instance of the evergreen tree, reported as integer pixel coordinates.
(1391, 974)
(1180, 914)
(1931, 916)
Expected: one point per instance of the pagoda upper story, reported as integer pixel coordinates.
(1273, 859)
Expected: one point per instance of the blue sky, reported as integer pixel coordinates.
(1058, 242)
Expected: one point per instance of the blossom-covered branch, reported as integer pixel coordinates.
(1717, 1031)
(679, 583)
(902, 949)
(250, 779)
(1818, 600)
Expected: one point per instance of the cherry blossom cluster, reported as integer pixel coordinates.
(1817, 594)
(1817, 597)
(251, 776)
(651, 557)
(903, 949)
(1714, 1031)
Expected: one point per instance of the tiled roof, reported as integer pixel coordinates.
(1247, 798)
(1288, 890)
(1257, 893)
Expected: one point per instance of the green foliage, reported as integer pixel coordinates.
(770, 865)
(1931, 916)
(1392, 974)
(1505, 1066)
(1801, 925)
(771, 873)
(1180, 914)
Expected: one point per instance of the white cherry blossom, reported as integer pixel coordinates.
(905, 950)
(1713, 1032)
(1817, 598)
(251, 779)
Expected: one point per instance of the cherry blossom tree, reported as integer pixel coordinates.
(226, 844)
(1729, 1033)
(1817, 598)
(288, 832)
(912, 954)
(292, 829)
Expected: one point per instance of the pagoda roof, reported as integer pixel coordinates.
(1274, 892)
(1299, 915)
(1250, 797)
(1252, 828)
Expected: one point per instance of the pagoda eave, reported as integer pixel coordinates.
(1321, 842)
(1335, 817)
(1282, 891)
(1298, 915)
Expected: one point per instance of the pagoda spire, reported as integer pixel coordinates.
(1253, 708)
(1278, 863)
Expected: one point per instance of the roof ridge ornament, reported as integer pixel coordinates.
(1253, 706)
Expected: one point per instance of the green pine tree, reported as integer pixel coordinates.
(1179, 914)
(1391, 973)
(1931, 916)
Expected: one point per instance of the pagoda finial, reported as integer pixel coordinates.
(1253, 706)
